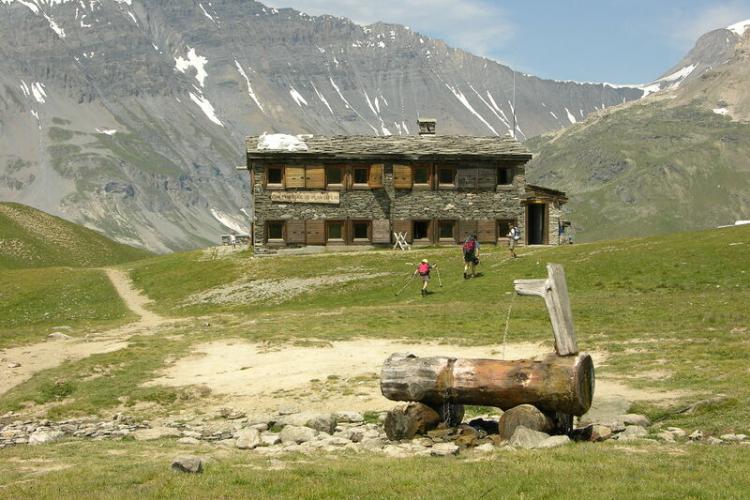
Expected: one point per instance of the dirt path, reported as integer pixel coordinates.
(52, 353)
(339, 376)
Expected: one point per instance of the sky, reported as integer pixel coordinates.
(616, 41)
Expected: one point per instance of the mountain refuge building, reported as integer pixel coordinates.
(360, 190)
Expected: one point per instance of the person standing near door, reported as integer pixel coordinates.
(513, 236)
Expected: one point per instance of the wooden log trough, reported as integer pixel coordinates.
(561, 384)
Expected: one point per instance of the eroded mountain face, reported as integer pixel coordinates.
(129, 116)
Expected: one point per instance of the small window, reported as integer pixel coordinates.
(335, 230)
(361, 175)
(421, 175)
(503, 227)
(446, 176)
(447, 229)
(361, 230)
(334, 175)
(275, 230)
(275, 175)
(504, 176)
(421, 229)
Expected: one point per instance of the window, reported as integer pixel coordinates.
(275, 230)
(361, 175)
(275, 176)
(361, 230)
(335, 230)
(421, 229)
(504, 176)
(422, 175)
(446, 229)
(335, 176)
(446, 176)
(503, 227)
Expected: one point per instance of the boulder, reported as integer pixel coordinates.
(44, 437)
(349, 417)
(189, 463)
(600, 433)
(372, 444)
(248, 439)
(323, 422)
(14, 365)
(297, 434)
(554, 442)
(156, 433)
(525, 415)
(527, 438)
(713, 440)
(443, 449)
(735, 438)
(632, 432)
(288, 410)
(269, 439)
(406, 421)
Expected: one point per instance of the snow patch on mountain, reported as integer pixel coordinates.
(206, 107)
(680, 74)
(229, 222)
(193, 61)
(40, 94)
(297, 97)
(321, 97)
(740, 27)
(571, 118)
(250, 90)
(463, 100)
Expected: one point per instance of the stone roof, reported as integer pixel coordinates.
(408, 147)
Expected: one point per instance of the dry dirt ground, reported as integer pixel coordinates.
(258, 377)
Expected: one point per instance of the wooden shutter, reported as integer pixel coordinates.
(486, 179)
(466, 178)
(315, 232)
(295, 231)
(376, 176)
(403, 226)
(466, 228)
(295, 177)
(381, 231)
(402, 177)
(487, 231)
(315, 177)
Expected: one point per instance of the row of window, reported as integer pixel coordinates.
(361, 231)
(341, 177)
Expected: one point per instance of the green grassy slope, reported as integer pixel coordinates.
(647, 169)
(32, 238)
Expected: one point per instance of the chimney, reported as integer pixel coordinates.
(426, 126)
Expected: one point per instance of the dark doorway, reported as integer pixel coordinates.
(536, 222)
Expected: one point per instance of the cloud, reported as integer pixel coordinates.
(478, 26)
(689, 26)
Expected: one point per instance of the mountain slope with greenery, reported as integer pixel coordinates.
(32, 238)
(649, 168)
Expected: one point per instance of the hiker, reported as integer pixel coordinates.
(423, 270)
(513, 236)
(232, 239)
(471, 255)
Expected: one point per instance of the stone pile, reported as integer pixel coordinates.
(44, 431)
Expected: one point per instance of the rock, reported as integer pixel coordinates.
(349, 417)
(288, 410)
(632, 432)
(189, 463)
(485, 448)
(467, 437)
(527, 438)
(394, 451)
(443, 449)
(372, 444)
(696, 435)
(523, 415)
(634, 419)
(406, 421)
(156, 433)
(188, 441)
(600, 433)
(677, 432)
(226, 443)
(298, 435)
(735, 438)
(323, 422)
(58, 336)
(269, 439)
(666, 436)
(441, 433)
(231, 414)
(14, 365)
(44, 437)
(554, 442)
(713, 440)
(248, 439)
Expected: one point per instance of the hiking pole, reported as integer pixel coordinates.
(408, 281)
(440, 281)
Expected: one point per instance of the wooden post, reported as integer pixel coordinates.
(554, 291)
(554, 384)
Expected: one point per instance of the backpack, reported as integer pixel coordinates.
(515, 234)
(423, 269)
(469, 246)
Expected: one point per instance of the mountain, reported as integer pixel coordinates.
(129, 116)
(678, 159)
(32, 238)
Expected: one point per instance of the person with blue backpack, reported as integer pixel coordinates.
(471, 255)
